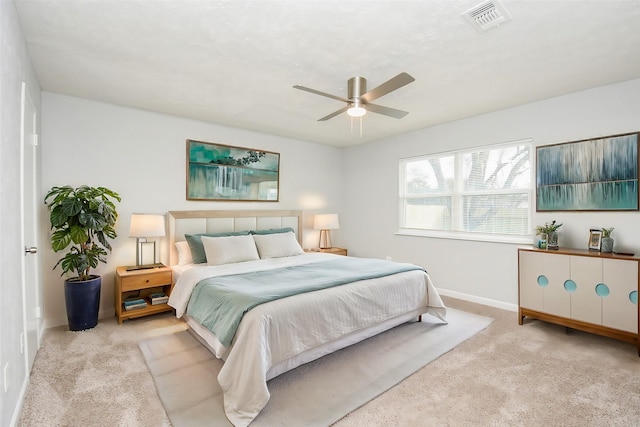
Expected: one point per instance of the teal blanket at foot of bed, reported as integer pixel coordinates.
(219, 303)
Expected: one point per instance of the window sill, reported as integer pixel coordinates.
(492, 238)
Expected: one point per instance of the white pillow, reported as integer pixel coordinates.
(184, 253)
(277, 245)
(229, 249)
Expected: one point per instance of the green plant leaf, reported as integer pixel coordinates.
(79, 234)
(93, 220)
(58, 217)
(71, 206)
(60, 239)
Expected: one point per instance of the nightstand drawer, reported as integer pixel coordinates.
(143, 281)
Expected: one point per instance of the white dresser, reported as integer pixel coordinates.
(580, 289)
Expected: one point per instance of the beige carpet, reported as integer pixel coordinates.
(96, 377)
(535, 375)
(316, 394)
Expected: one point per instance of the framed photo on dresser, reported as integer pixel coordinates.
(595, 239)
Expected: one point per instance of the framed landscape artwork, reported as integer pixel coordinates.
(224, 172)
(590, 175)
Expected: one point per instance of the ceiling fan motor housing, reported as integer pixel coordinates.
(356, 87)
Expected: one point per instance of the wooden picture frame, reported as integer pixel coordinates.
(221, 172)
(595, 239)
(589, 175)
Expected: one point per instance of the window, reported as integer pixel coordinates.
(483, 193)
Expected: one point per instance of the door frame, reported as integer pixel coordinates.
(30, 281)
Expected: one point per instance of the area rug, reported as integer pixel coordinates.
(316, 394)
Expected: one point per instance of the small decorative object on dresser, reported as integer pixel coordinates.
(607, 240)
(548, 235)
(595, 239)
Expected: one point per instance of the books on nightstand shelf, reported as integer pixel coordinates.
(135, 303)
(158, 298)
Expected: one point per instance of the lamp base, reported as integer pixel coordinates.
(325, 239)
(144, 267)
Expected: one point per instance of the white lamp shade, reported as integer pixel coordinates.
(147, 225)
(326, 222)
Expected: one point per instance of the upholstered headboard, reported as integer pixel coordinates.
(190, 222)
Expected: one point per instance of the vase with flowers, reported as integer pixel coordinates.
(548, 235)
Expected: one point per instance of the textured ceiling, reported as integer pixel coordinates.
(235, 62)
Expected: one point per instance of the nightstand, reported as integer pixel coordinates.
(141, 283)
(337, 251)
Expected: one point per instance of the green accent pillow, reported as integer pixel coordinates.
(273, 231)
(197, 248)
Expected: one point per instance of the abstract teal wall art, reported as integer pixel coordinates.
(590, 175)
(225, 172)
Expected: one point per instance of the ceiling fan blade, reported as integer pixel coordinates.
(317, 92)
(389, 86)
(391, 112)
(335, 113)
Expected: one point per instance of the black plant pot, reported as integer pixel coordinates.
(83, 302)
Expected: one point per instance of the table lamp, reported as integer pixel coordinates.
(325, 223)
(142, 227)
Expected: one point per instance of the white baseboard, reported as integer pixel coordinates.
(479, 300)
(61, 321)
(18, 409)
(107, 313)
(54, 322)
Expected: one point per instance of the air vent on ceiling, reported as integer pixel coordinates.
(486, 15)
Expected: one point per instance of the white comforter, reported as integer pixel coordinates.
(275, 337)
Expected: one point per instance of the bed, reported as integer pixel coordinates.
(278, 325)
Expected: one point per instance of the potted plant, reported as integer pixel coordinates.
(548, 235)
(607, 240)
(82, 220)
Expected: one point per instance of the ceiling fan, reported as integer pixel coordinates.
(359, 100)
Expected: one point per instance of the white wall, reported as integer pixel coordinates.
(478, 269)
(15, 68)
(142, 156)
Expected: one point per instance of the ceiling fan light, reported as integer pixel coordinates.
(356, 111)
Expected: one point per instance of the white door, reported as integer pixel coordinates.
(30, 285)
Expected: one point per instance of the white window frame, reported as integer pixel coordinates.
(458, 194)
